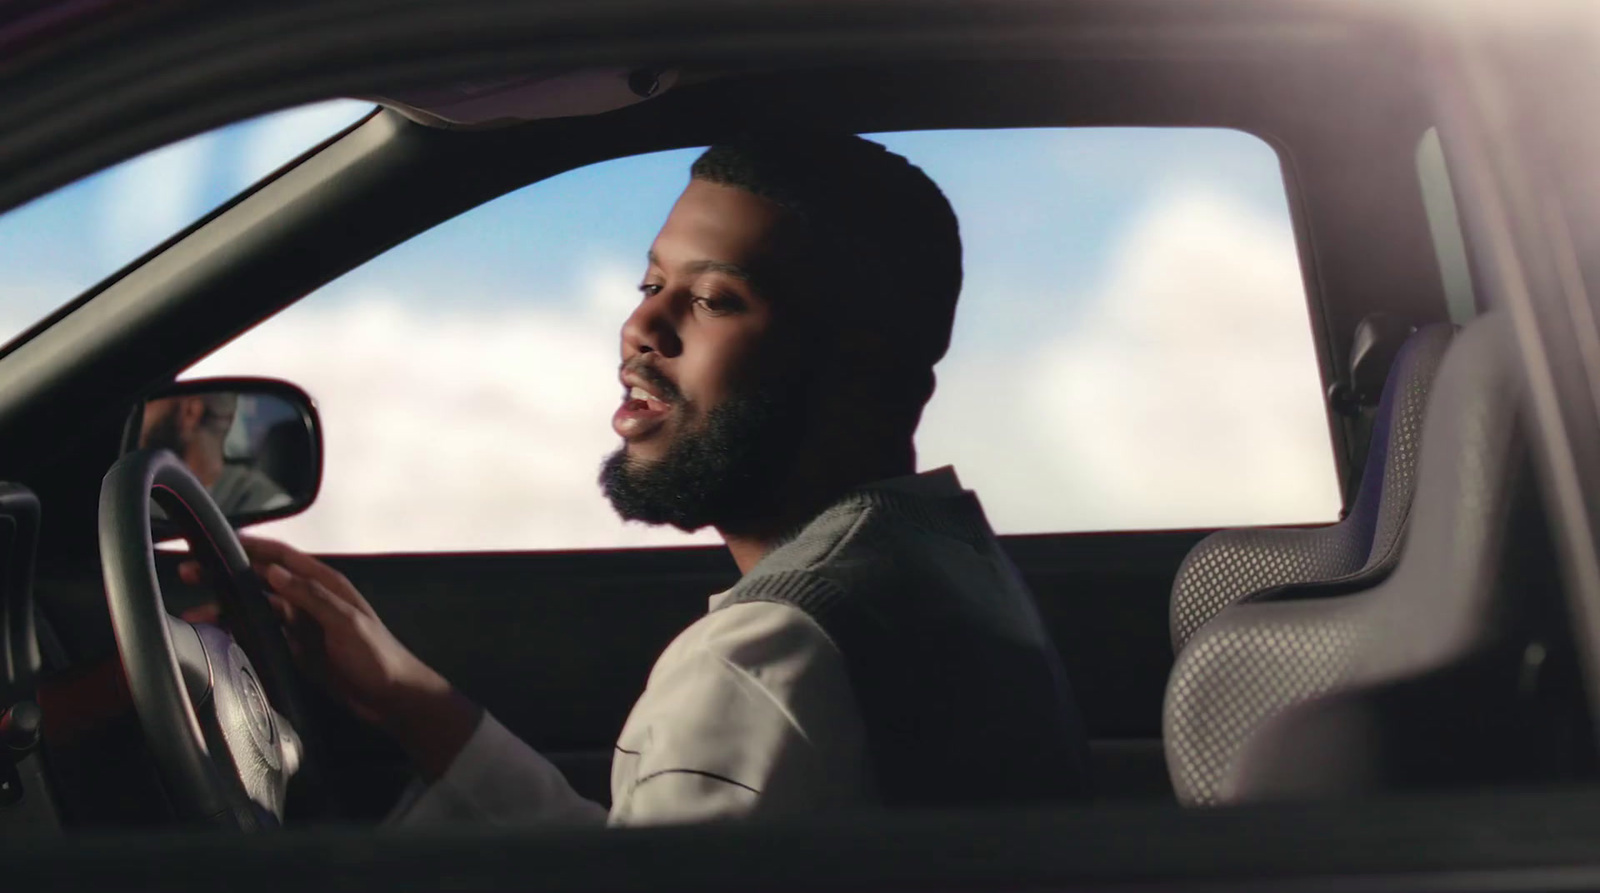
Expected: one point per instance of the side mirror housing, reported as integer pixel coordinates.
(256, 443)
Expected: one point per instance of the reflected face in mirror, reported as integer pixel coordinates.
(230, 443)
(194, 427)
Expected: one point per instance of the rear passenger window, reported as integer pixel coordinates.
(1132, 351)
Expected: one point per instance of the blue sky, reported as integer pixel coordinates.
(1108, 271)
(60, 244)
(1015, 243)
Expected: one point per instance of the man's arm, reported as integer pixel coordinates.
(434, 725)
(336, 635)
(496, 778)
(748, 712)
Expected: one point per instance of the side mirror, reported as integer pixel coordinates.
(256, 443)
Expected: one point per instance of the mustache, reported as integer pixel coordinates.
(659, 383)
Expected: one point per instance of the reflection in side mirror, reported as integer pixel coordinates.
(256, 444)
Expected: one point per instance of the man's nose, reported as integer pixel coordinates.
(652, 328)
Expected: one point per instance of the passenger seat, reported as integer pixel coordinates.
(1259, 564)
(1457, 670)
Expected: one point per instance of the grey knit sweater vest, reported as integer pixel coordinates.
(961, 691)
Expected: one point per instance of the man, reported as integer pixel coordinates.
(196, 427)
(879, 648)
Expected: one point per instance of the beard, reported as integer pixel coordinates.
(724, 472)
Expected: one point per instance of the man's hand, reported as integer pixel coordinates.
(337, 637)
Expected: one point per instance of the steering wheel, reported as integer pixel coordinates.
(205, 698)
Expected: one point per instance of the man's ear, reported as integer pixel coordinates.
(864, 346)
(874, 365)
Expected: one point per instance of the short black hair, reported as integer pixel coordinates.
(870, 208)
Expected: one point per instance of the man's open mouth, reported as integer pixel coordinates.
(641, 413)
(639, 398)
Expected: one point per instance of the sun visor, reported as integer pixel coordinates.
(553, 93)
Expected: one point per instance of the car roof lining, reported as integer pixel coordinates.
(87, 104)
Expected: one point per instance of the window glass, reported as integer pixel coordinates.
(1132, 350)
(56, 246)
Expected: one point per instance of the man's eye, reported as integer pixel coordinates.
(649, 289)
(719, 306)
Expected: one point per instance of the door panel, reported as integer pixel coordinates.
(1104, 598)
(559, 645)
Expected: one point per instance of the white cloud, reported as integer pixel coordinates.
(476, 429)
(29, 298)
(1186, 396)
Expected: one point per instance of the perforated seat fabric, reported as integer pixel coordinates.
(1233, 566)
(1277, 698)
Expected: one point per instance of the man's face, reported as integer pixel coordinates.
(163, 426)
(711, 362)
(186, 427)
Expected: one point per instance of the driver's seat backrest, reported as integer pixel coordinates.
(1257, 564)
(1456, 669)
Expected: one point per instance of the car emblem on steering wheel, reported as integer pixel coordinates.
(255, 705)
(258, 715)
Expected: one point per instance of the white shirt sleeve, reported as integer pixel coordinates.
(748, 711)
(497, 778)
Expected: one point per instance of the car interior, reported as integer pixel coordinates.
(1425, 643)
